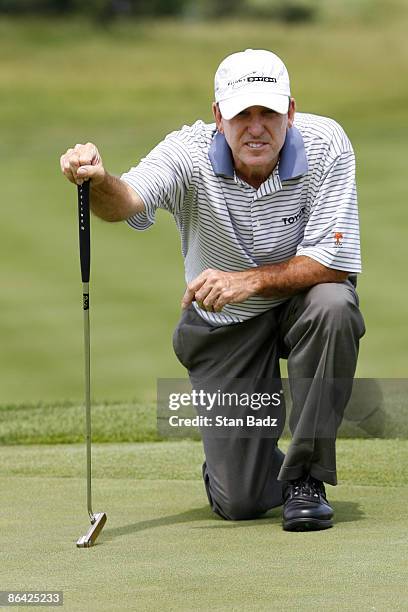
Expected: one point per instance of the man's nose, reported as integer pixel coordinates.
(255, 127)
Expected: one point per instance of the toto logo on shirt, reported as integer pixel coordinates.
(294, 218)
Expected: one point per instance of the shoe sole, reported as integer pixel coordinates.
(307, 524)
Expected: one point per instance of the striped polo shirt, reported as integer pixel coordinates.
(307, 206)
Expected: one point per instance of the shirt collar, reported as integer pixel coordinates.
(292, 159)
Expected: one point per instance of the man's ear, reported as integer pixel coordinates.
(217, 116)
(291, 112)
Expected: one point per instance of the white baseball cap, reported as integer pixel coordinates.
(251, 78)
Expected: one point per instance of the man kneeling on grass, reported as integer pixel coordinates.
(265, 203)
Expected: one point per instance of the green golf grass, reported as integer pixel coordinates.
(162, 548)
(125, 88)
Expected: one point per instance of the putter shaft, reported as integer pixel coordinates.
(87, 354)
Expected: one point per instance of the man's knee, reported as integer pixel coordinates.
(330, 298)
(232, 503)
(336, 303)
(238, 509)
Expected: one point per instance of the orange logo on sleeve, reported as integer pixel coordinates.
(338, 237)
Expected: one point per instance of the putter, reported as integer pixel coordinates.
(98, 519)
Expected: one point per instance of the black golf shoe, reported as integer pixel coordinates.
(305, 505)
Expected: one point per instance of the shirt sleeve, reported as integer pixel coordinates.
(332, 235)
(161, 179)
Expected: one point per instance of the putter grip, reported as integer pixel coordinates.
(84, 230)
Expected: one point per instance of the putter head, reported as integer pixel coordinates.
(89, 539)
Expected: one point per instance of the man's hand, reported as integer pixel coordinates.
(112, 199)
(83, 162)
(213, 289)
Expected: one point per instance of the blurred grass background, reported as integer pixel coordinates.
(124, 87)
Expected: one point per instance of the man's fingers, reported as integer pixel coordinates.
(86, 171)
(188, 298)
(190, 292)
(88, 155)
(81, 162)
(66, 167)
(69, 165)
(219, 304)
(205, 297)
(207, 301)
(202, 290)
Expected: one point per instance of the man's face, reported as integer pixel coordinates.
(255, 136)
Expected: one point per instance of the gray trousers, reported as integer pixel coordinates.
(318, 332)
